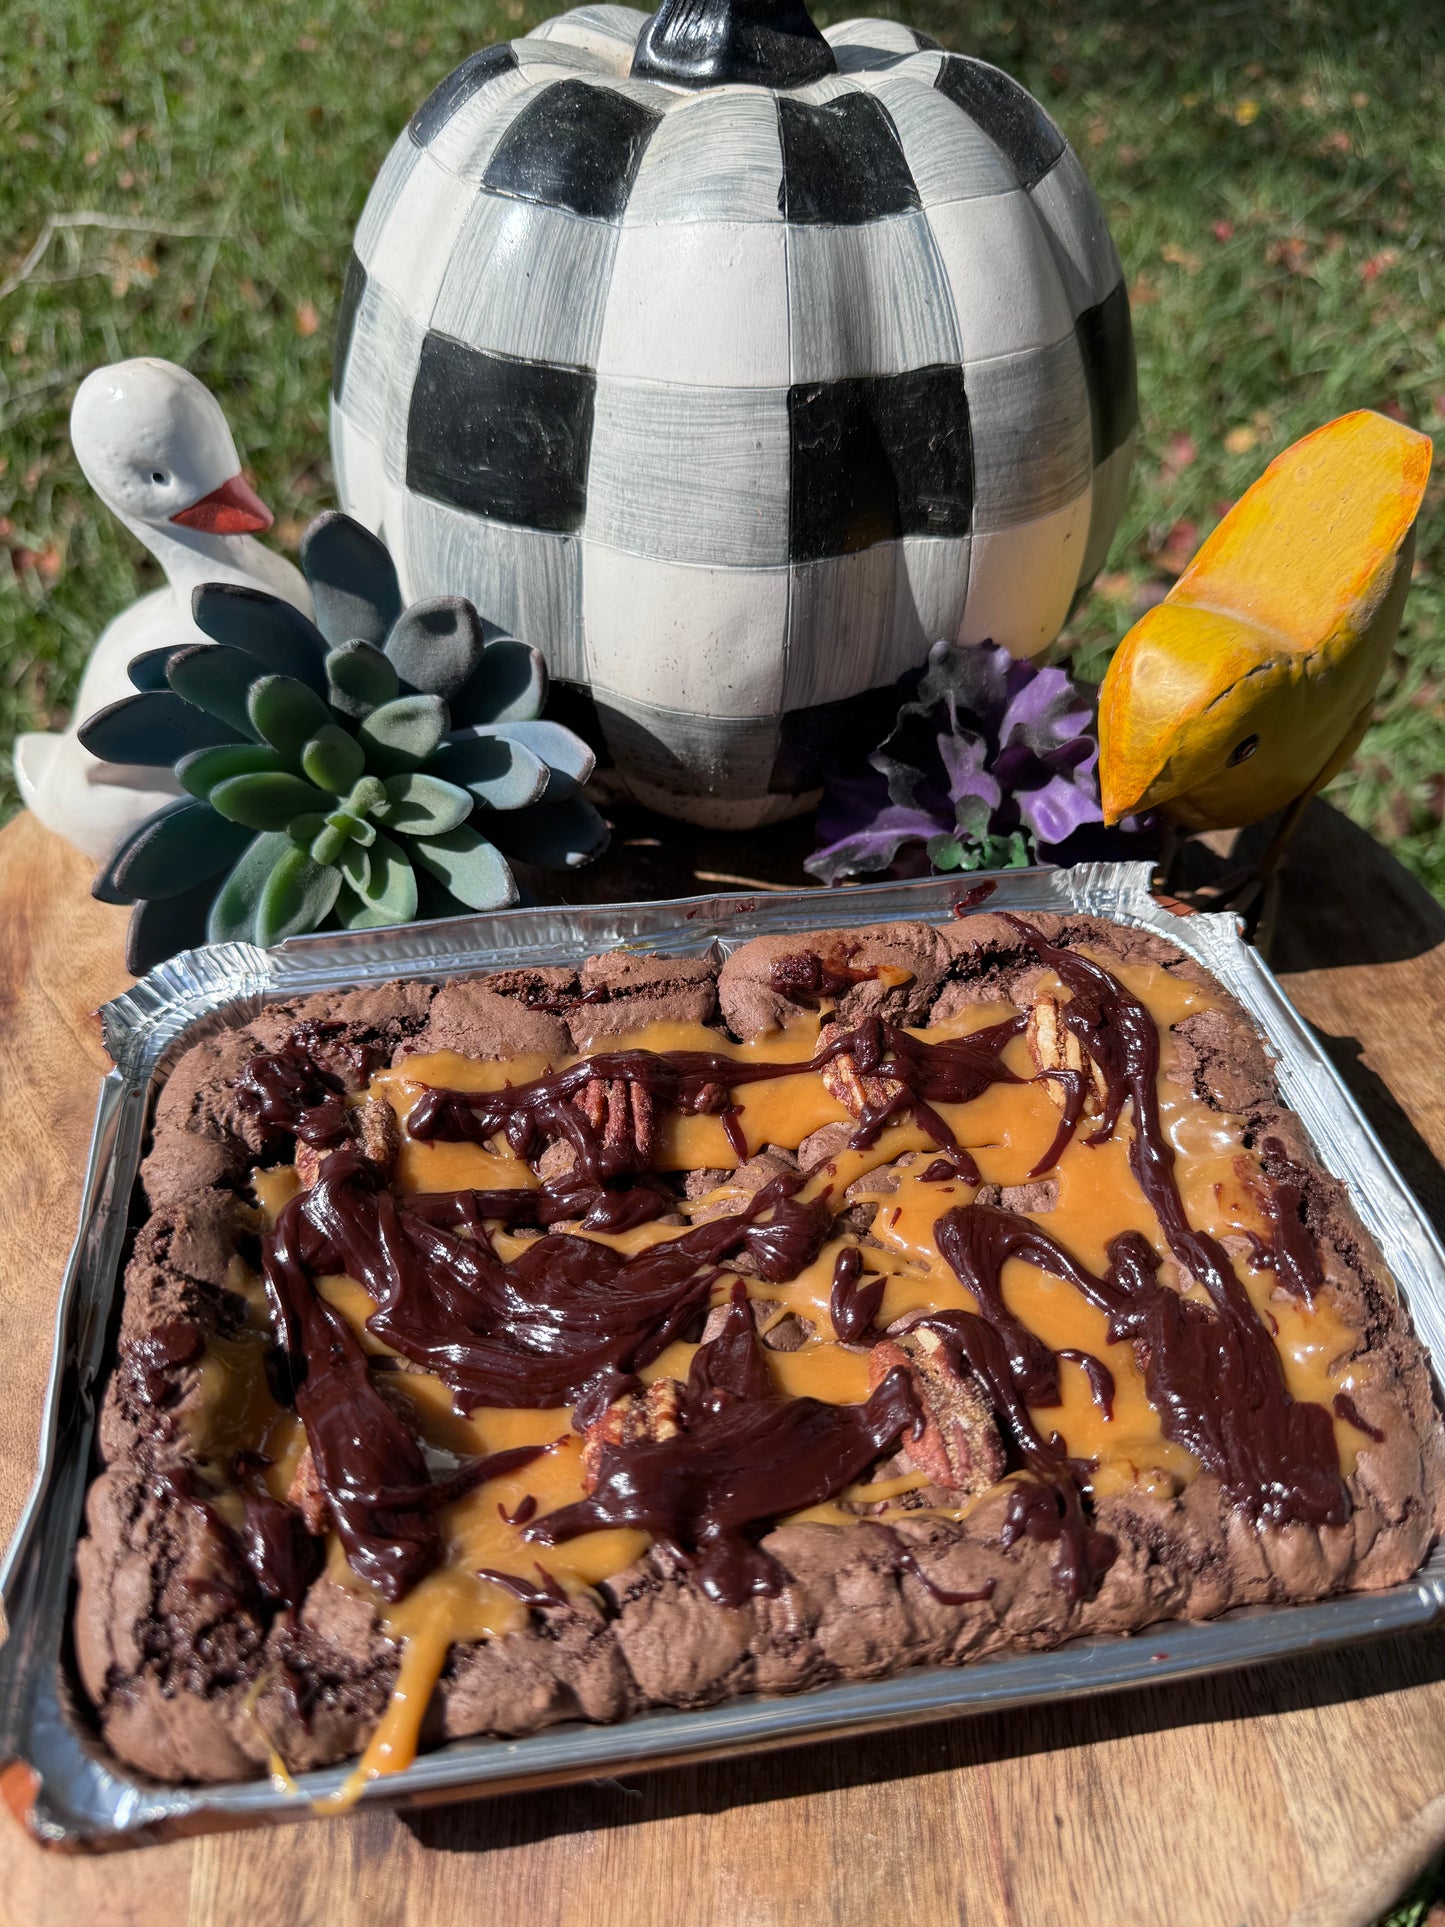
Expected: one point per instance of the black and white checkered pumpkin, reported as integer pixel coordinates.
(732, 398)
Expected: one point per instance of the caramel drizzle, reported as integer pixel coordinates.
(742, 1457)
(1214, 1376)
(696, 1083)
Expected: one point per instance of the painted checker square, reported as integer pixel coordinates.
(734, 392)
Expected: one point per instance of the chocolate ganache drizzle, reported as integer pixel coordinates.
(540, 1330)
(1211, 1371)
(742, 1456)
(368, 1460)
(289, 1090)
(571, 1321)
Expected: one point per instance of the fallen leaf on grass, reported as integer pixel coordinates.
(1240, 440)
(1378, 263)
(1178, 257)
(307, 319)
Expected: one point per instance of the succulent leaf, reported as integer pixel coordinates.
(421, 805)
(327, 844)
(233, 914)
(160, 926)
(175, 848)
(148, 670)
(333, 759)
(217, 679)
(354, 864)
(360, 679)
(436, 645)
(152, 730)
(296, 897)
(508, 685)
(200, 772)
(401, 735)
(387, 893)
(267, 800)
(368, 794)
(356, 827)
(473, 870)
(505, 775)
(353, 580)
(560, 748)
(277, 637)
(557, 836)
(305, 829)
(287, 714)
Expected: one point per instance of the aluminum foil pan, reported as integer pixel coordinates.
(75, 1795)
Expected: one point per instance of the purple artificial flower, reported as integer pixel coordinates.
(990, 765)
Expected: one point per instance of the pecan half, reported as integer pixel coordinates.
(306, 1495)
(651, 1415)
(377, 1135)
(1054, 1047)
(843, 1080)
(624, 1117)
(959, 1447)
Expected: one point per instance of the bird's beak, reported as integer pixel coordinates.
(232, 509)
(1127, 792)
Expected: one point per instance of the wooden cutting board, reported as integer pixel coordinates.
(1310, 1791)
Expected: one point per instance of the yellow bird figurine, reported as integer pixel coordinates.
(1251, 684)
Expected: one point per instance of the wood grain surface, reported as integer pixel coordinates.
(1309, 1791)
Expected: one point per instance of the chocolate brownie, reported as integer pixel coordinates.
(563, 1344)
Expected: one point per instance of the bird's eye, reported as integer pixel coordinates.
(159, 475)
(1242, 752)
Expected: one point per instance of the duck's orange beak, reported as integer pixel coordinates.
(232, 509)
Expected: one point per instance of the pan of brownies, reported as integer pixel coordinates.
(546, 1345)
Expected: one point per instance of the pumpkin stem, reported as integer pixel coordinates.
(705, 43)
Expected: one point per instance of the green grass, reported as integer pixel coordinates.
(1273, 174)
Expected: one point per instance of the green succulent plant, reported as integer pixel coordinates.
(376, 765)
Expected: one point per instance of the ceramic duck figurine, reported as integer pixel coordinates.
(155, 447)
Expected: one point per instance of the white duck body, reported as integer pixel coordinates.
(155, 447)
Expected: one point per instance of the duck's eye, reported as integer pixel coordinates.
(1242, 752)
(159, 475)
